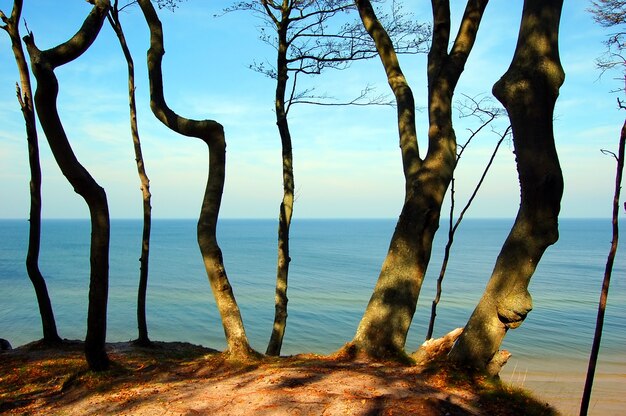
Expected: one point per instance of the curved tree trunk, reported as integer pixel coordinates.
(528, 90)
(385, 324)
(212, 133)
(50, 334)
(286, 207)
(43, 64)
(142, 325)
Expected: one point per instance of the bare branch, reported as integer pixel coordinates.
(609, 153)
(363, 99)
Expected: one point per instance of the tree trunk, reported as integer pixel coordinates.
(286, 207)
(212, 133)
(528, 90)
(50, 334)
(43, 64)
(142, 325)
(606, 281)
(383, 329)
(451, 232)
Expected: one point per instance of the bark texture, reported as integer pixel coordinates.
(212, 133)
(528, 90)
(43, 64)
(142, 324)
(383, 329)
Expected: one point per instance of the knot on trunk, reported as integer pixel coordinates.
(512, 310)
(498, 361)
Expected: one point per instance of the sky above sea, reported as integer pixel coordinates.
(346, 159)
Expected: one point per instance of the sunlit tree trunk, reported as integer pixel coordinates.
(528, 90)
(383, 329)
(50, 334)
(142, 325)
(212, 133)
(43, 64)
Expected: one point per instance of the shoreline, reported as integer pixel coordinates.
(561, 383)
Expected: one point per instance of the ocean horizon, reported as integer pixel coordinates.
(335, 264)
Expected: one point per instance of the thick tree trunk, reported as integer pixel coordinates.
(43, 64)
(212, 133)
(142, 325)
(528, 90)
(24, 96)
(286, 207)
(383, 329)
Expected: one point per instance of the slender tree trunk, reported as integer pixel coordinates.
(452, 231)
(212, 133)
(528, 90)
(286, 207)
(597, 338)
(24, 96)
(383, 329)
(43, 64)
(142, 325)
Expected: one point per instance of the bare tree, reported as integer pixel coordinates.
(310, 37)
(142, 325)
(612, 14)
(606, 281)
(528, 90)
(608, 13)
(211, 133)
(25, 98)
(383, 329)
(486, 115)
(43, 64)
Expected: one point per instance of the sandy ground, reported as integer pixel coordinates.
(180, 379)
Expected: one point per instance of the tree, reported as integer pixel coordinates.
(43, 64)
(611, 13)
(384, 326)
(142, 325)
(307, 42)
(211, 133)
(608, 13)
(528, 90)
(25, 98)
(486, 116)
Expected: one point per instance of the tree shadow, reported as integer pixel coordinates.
(183, 378)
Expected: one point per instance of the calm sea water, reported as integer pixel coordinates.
(334, 267)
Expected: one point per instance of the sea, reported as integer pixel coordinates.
(334, 267)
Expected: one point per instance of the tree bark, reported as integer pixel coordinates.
(142, 325)
(383, 329)
(528, 90)
(212, 133)
(286, 207)
(24, 96)
(43, 64)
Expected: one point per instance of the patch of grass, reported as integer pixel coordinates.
(504, 400)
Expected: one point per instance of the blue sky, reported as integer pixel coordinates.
(346, 159)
